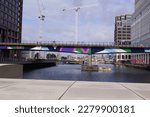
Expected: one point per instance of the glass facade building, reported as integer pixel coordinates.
(11, 21)
(140, 30)
(141, 23)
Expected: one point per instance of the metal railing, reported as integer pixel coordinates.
(25, 61)
(76, 44)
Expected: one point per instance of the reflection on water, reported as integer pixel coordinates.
(73, 72)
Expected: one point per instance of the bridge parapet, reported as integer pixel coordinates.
(73, 44)
(25, 61)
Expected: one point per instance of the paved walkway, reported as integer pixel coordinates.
(19, 89)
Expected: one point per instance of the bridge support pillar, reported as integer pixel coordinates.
(90, 67)
(148, 59)
(90, 60)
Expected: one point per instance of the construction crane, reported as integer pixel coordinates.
(77, 9)
(41, 18)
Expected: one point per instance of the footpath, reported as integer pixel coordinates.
(21, 89)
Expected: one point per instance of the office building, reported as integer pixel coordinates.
(122, 35)
(140, 31)
(10, 22)
(123, 30)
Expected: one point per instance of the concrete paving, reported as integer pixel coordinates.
(11, 71)
(20, 89)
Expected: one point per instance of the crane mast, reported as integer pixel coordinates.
(41, 18)
(77, 9)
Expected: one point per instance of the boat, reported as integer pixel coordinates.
(105, 69)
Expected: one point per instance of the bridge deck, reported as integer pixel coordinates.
(72, 44)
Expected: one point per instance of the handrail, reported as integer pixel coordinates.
(74, 44)
(25, 61)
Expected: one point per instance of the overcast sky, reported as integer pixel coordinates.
(95, 23)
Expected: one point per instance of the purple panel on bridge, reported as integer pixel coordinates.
(3, 47)
(69, 50)
(12, 47)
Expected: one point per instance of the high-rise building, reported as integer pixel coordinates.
(122, 35)
(10, 21)
(140, 31)
(123, 30)
(141, 23)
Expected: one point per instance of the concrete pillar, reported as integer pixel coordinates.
(117, 57)
(90, 60)
(120, 56)
(138, 56)
(144, 55)
(145, 58)
(132, 58)
(141, 58)
(148, 59)
(30, 54)
(135, 59)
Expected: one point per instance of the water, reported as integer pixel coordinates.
(73, 72)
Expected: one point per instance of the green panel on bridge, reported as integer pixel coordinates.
(13, 47)
(128, 50)
(83, 50)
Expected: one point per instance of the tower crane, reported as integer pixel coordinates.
(77, 9)
(41, 17)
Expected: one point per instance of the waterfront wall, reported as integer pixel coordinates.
(37, 65)
(16, 70)
(11, 71)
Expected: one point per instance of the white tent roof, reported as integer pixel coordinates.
(40, 48)
(109, 51)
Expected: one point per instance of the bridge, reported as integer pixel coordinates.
(76, 48)
(72, 47)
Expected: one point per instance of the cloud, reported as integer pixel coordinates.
(95, 23)
(77, 2)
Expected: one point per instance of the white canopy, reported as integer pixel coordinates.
(110, 51)
(39, 48)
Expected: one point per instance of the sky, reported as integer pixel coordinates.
(96, 24)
